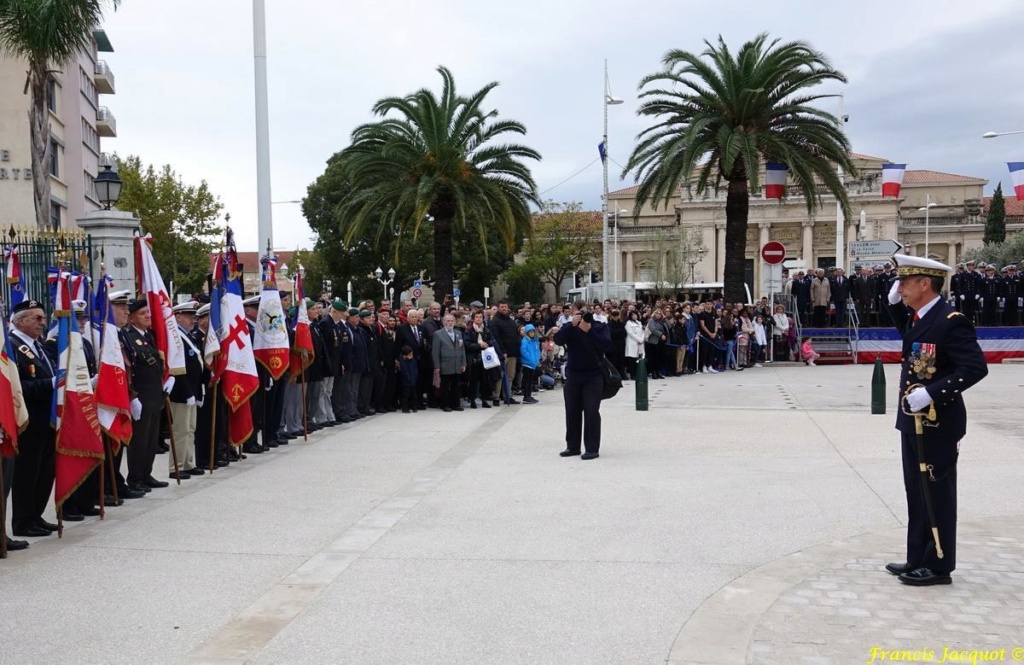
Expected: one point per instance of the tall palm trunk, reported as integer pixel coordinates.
(444, 279)
(737, 208)
(39, 130)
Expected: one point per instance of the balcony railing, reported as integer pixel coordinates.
(104, 78)
(106, 123)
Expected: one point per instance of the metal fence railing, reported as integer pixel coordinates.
(40, 249)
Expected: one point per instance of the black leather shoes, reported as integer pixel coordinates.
(221, 463)
(925, 577)
(43, 524)
(898, 568)
(589, 456)
(569, 453)
(195, 472)
(31, 532)
(138, 487)
(154, 483)
(73, 517)
(15, 545)
(184, 476)
(92, 511)
(109, 500)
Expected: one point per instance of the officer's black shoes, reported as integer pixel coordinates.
(109, 500)
(569, 453)
(925, 577)
(43, 524)
(92, 511)
(184, 476)
(150, 481)
(132, 492)
(589, 456)
(73, 517)
(15, 545)
(898, 568)
(31, 532)
(195, 472)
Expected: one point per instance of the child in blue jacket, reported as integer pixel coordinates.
(529, 359)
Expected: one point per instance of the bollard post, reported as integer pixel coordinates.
(641, 384)
(878, 387)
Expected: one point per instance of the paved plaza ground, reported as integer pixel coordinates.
(744, 518)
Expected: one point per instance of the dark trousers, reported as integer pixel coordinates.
(142, 451)
(338, 398)
(409, 400)
(840, 313)
(1010, 315)
(583, 411)
(942, 456)
(449, 397)
(528, 375)
(989, 316)
(820, 316)
(32, 483)
(653, 355)
(273, 401)
(479, 384)
(365, 392)
(968, 306)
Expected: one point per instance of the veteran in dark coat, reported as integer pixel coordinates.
(941, 359)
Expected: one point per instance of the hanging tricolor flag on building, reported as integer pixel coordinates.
(13, 410)
(113, 405)
(239, 380)
(271, 343)
(1017, 174)
(79, 445)
(892, 179)
(775, 180)
(302, 350)
(12, 268)
(165, 327)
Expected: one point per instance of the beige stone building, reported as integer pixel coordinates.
(685, 241)
(77, 121)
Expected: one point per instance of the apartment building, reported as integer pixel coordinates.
(78, 122)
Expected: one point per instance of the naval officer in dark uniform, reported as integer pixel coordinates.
(941, 359)
(150, 389)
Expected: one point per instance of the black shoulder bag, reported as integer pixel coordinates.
(610, 375)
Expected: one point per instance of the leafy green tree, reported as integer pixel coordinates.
(524, 283)
(1000, 254)
(995, 225)
(47, 34)
(565, 240)
(181, 218)
(433, 161)
(718, 116)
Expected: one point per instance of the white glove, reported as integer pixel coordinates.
(191, 401)
(200, 402)
(977, 297)
(1020, 302)
(919, 399)
(168, 385)
(962, 296)
(136, 409)
(1002, 302)
(270, 383)
(894, 292)
(53, 383)
(93, 381)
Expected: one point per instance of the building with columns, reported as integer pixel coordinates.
(684, 241)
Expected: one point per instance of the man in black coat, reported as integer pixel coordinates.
(801, 290)
(507, 333)
(32, 481)
(941, 359)
(372, 374)
(840, 290)
(412, 334)
(148, 384)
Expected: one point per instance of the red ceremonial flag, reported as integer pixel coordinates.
(13, 410)
(79, 445)
(113, 404)
(238, 380)
(302, 349)
(165, 328)
(271, 343)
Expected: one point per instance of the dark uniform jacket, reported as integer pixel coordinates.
(331, 360)
(370, 338)
(36, 375)
(189, 384)
(345, 347)
(147, 378)
(405, 336)
(944, 339)
(360, 364)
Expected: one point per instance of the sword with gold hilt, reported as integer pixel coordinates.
(925, 468)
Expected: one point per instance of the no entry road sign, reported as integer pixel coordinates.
(773, 253)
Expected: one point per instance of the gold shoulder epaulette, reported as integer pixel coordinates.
(952, 314)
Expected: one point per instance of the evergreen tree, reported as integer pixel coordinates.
(995, 225)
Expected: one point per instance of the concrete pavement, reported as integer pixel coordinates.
(438, 538)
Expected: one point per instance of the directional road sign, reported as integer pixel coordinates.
(874, 248)
(773, 253)
(456, 293)
(417, 284)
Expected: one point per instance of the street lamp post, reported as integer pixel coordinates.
(927, 207)
(992, 135)
(379, 274)
(350, 294)
(618, 259)
(700, 252)
(608, 101)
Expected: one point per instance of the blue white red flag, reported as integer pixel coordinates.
(113, 405)
(165, 327)
(16, 280)
(892, 179)
(239, 380)
(1017, 175)
(775, 180)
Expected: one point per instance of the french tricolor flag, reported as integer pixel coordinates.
(775, 180)
(892, 179)
(1017, 173)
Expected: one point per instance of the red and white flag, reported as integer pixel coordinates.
(165, 328)
(271, 343)
(13, 410)
(302, 350)
(892, 179)
(1017, 175)
(113, 404)
(238, 380)
(775, 180)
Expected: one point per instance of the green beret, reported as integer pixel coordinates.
(310, 303)
(293, 311)
(352, 311)
(364, 313)
(339, 305)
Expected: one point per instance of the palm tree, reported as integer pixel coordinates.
(436, 162)
(47, 34)
(719, 116)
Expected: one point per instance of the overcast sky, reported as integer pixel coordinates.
(927, 78)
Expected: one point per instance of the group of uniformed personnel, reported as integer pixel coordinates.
(988, 296)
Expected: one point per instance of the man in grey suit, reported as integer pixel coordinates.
(449, 355)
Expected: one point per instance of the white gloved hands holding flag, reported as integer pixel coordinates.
(169, 385)
(136, 408)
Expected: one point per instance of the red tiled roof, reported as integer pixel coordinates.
(870, 158)
(621, 193)
(926, 177)
(1014, 206)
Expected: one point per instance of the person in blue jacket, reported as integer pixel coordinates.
(585, 340)
(529, 359)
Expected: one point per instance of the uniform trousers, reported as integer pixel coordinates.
(183, 426)
(32, 483)
(338, 397)
(366, 382)
(292, 415)
(582, 394)
(142, 451)
(942, 456)
(314, 389)
(350, 394)
(449, 397)
(274, 401)
(326, 411)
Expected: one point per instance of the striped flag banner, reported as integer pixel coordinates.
(1017, 174)
(892, 179)
(775, 180)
